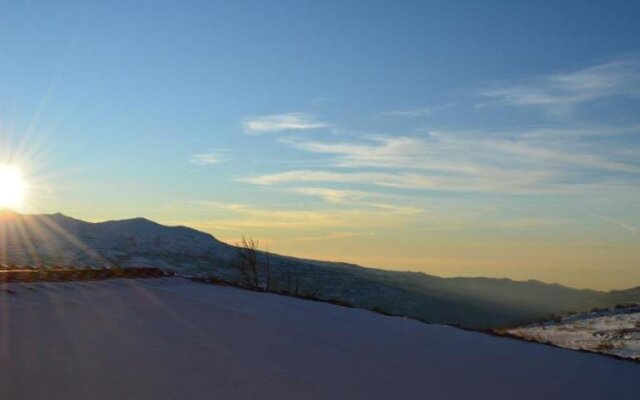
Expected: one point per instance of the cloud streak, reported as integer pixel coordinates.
(616, 78)
(481, 161)
(209, 158)
(621, 224)
(281, 122)
(509, 182)
(336, 196)
(334, 236)
(418, 112)
(245, 217)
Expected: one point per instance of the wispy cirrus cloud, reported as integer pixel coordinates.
(417, 112)
(281, 122)
(368, 199)
(242, 217)
(334, 236)
(616, 78)
(380, 151)
(402, 180)
(621, 224)
(521, 182)
(553, 153)
(336, 196)
(358, 175)
(481, 161)
(209, 158)
(457, 151)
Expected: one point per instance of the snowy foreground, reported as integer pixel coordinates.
(615, 331)
(170, 338)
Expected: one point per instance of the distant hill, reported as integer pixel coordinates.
(470, 302)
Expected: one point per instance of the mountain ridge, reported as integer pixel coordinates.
(476, 302)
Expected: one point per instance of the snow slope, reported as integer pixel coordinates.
(170, 338)
(614, 331)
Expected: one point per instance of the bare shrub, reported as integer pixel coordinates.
(257, 271)
(267, 269)
(247, 261)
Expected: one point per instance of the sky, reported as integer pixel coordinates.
(456, 138)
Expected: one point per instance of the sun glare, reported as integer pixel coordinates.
(12, 187)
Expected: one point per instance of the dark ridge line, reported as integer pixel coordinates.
(39, 274)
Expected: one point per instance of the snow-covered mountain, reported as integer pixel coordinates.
(472, 302)
(60, 240)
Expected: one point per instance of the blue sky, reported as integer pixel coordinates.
(457, 138)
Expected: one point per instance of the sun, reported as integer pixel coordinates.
(13, 187)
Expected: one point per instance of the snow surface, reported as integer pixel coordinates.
(170, 338)
(615, 331)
